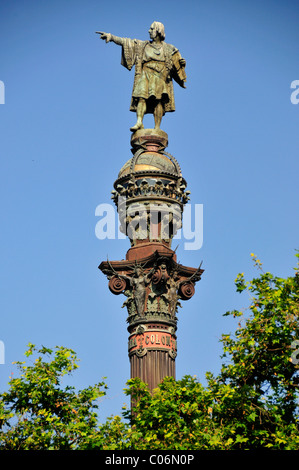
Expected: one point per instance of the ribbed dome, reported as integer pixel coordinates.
(150, 161)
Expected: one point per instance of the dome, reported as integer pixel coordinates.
(151, 172)
(150, 161)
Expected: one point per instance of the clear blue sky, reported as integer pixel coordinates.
(65, 135)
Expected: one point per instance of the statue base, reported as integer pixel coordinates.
(144, 249)
(153, 140)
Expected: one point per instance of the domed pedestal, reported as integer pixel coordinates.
(150, 194)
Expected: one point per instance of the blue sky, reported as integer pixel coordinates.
(65, 135)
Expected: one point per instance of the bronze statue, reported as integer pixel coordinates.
(172, 294)
(156, 64)
(138, 282)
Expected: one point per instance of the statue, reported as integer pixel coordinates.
(138, 282)
(172, 293)
(180, 289)
(156, 64)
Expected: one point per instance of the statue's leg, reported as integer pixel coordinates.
(140, 111)
(158, 114)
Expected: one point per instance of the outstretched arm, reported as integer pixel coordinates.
(110, 37)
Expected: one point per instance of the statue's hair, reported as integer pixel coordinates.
(160, 29)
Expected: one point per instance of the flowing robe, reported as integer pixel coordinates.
(154, 71)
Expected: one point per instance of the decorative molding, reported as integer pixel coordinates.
(173, 190)
(172, 354)
(140, 329)
(117, 285)
(141, 352)
(186, 290)
(153, 288)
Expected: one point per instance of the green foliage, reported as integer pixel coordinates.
(260, 352)
(36, 413)
(251, 404)
(176, 416)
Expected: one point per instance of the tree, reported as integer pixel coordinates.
(37, 413)
(251, 404)
(262, 365)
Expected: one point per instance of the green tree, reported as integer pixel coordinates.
(37, 413)
(261, 365)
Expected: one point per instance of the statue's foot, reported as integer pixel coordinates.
(137, 126)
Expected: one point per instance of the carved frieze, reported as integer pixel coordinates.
(174, 190)
(153, 289)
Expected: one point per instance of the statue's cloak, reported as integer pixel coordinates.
(153, 73)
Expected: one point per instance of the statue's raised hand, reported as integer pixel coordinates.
(105, 36)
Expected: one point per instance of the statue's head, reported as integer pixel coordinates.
(138, 270)
(157, 28)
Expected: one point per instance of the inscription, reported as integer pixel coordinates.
(152, 340)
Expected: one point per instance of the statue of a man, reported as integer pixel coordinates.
(156, 64)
